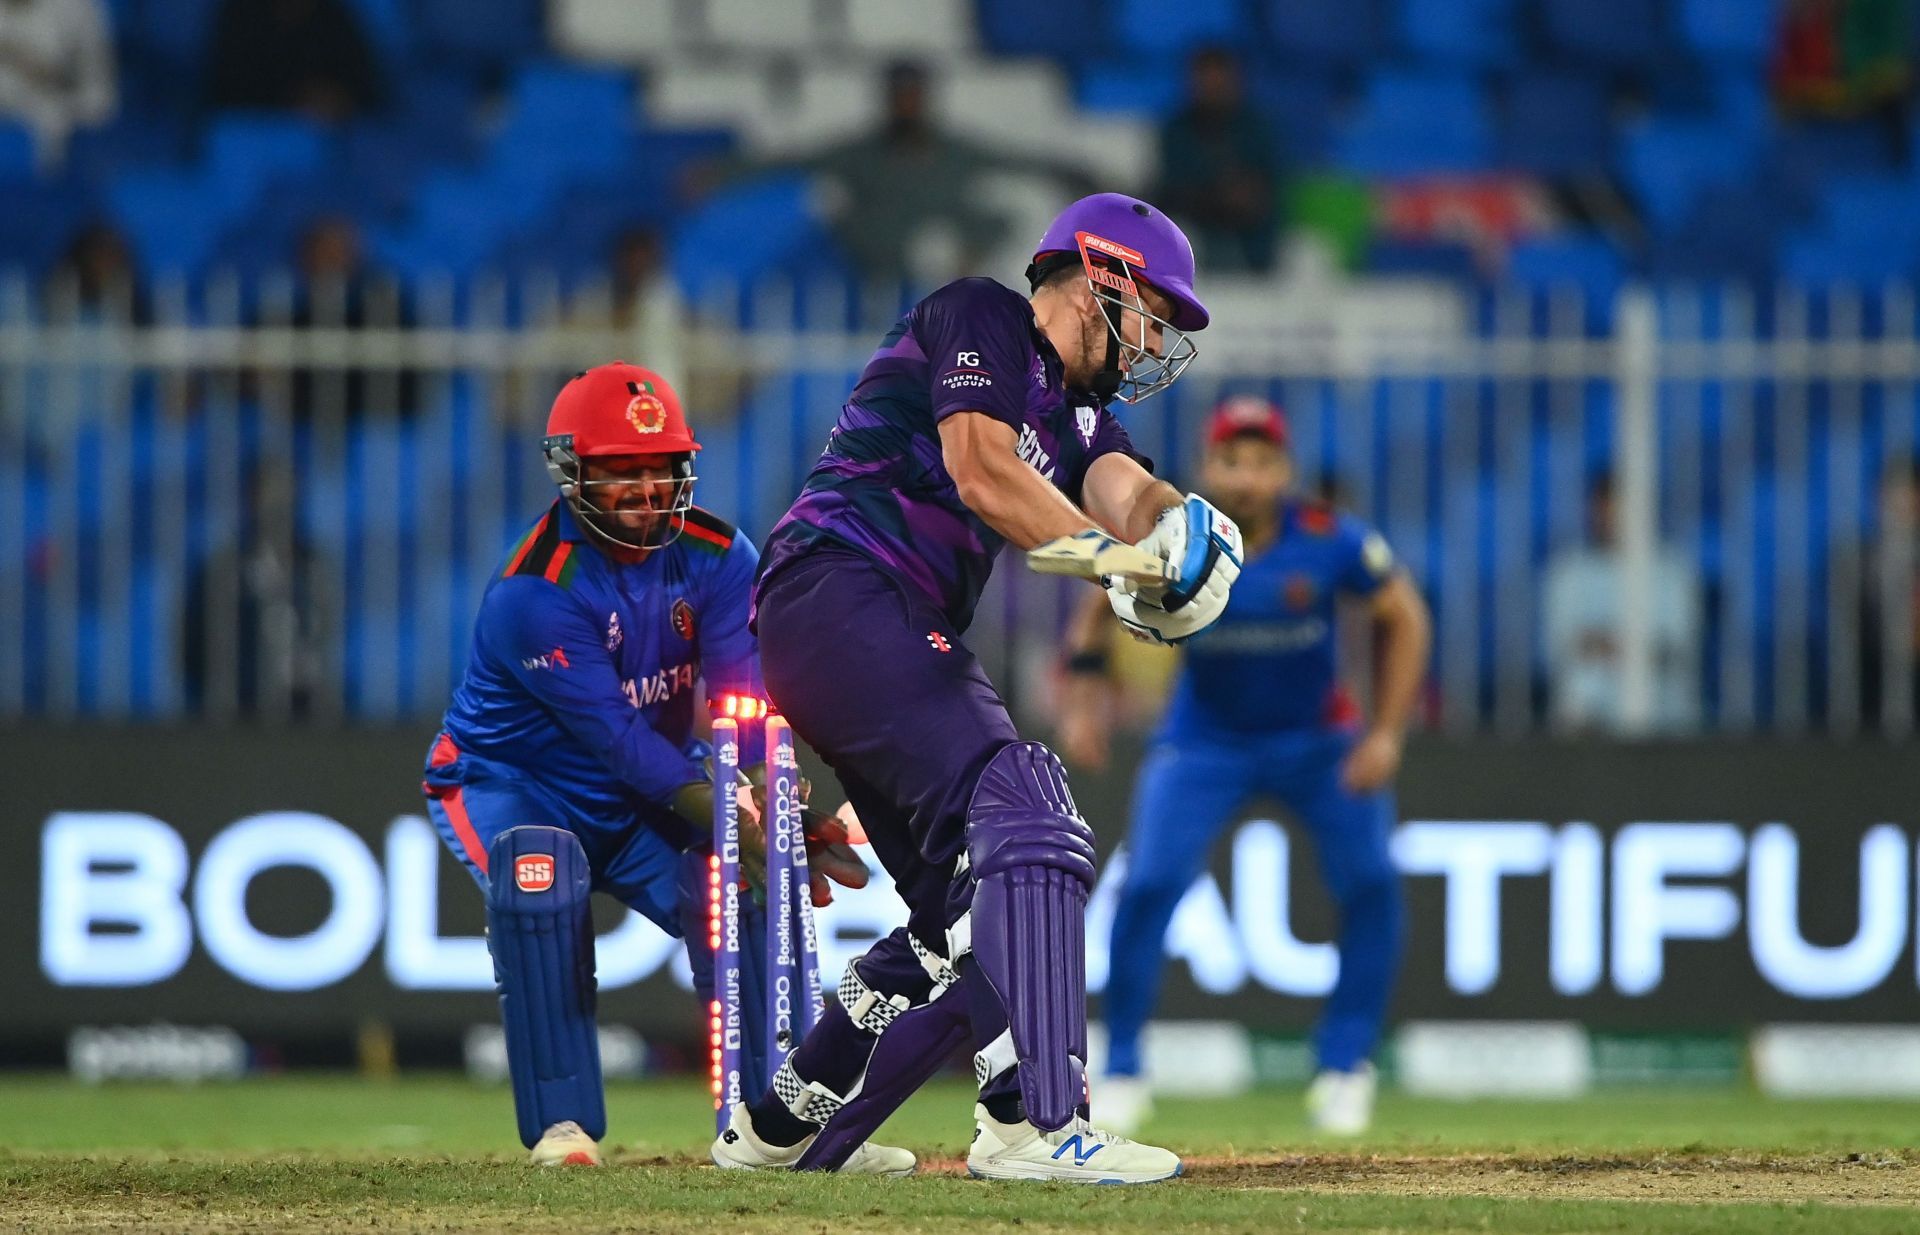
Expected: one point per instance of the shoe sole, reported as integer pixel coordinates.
(1040, 1174)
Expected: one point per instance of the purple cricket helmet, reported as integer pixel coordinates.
(1165, 258)
(1120, 239)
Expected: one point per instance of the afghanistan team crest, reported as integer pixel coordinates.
(683, 619)
(645, 412)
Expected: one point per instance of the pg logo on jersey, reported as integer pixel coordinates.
(533, 872)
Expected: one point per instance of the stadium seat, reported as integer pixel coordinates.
(17, 157)
(1668, 162)
(172, 35)
(1586, 262)
(1057, 28)
(1146, 88)
(1555, 124)
(1153, 28)
(1613, 34)
(479, 35)
(1736, 31)
(248, 151)
(1299, 106)
(1412, 123)
(742, 233)
(1730, 233)
(173, 220)
(1478, 33)
(820, 104)
(992, 99)
(756, 26)
(388, 27)
(1325, 34)
(925, 27)
(565, 101)
(627, 31)
(42, 220)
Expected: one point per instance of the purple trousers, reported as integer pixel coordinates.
(874, 678)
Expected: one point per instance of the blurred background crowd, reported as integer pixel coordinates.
(1589, 304)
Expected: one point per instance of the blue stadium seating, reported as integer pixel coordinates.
(248, 152)
(1586, 262)
(1325, 34)
(1466, 32)
(173, 219)
(1151, 28)
(41, 221)
(1300, 107)
(479, 35)
(17, 157)
(1729, 232)
(1740, 31)
(744, 232)
(1064, 28)
(1146, 87)
(1408, 123)
(1556, 124)
(1614, 34)
(1668, 162)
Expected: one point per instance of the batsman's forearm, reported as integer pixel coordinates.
(1019, 503)
(1407, 637)
(1155, 498)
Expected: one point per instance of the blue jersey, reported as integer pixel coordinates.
(882, 488)
(1271, 662)
(584, 669)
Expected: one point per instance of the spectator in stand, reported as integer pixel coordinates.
(96, 281)
(905, 199)
(1889, 591)
(1218, 173)
(307, 56)
(256, 635)
(1581, 615)
(339, 289)
(56, 70)
(1840, 59)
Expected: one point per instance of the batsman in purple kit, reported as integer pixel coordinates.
(981, 420)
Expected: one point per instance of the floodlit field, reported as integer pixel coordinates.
(326, 1154)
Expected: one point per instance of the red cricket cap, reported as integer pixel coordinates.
(1248, 416)
(621, 409)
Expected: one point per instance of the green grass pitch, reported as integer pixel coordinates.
(319, 1153)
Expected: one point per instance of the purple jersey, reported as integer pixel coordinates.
(881, 486)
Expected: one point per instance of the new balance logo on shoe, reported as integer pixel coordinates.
(1079, 1158)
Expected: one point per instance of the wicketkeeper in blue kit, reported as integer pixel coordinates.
(1259, 711)
(567, 762)
(982, 420)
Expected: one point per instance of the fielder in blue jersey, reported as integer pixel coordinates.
(567, 762)
(1258, 711)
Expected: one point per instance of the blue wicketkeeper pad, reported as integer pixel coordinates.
(541, 937)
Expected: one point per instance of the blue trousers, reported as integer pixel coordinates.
(1188, 791)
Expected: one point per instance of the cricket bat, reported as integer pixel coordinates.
(1096, 555)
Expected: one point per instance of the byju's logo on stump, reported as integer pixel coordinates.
(533, 872)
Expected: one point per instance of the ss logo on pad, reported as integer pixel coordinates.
(533, 872)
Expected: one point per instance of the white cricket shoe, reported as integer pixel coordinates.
(1122, 1104)
(566, 1144)
(1078, 1153)
(739, 1148)
(1341, 1103)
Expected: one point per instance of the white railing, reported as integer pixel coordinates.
(1764, 564)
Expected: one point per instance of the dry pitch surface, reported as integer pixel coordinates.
(332, 1154)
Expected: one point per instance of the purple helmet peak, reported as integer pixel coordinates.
(1166, 258)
